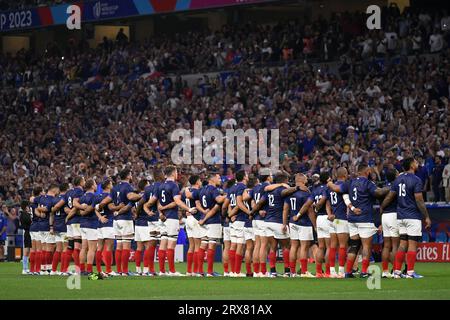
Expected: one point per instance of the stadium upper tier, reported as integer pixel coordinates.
(26, 4)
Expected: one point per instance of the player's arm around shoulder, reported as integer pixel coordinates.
(381, 192)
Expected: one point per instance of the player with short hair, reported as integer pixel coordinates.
(47, 234)
(363, 194)
(259, 266)
(389, 224)
(411, 209)
(275, 227)
(237, 212)
(169, 200)
(249, 234)
(59, 229)
(319, 194)
(337, 205)
(88, 225)
(226, 228)
(72, 202)
(298, 209)
(105, 209)
(193, 231)
(151, 209)
(208, 203)
(36, 244)
(124, 193)
(141, 228)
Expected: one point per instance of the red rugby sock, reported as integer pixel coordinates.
(118, 256)
(272, 259)
(304, 265)
(411, 260)
(98, 260)
(210, 259)
(232, 259)
(138, 258)
(332, 257)
(171, 259)
(256, 266)
(365, 265)
(55, 261)
(238, 263)
(162, 260)
(190, 260)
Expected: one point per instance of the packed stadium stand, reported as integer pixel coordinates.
(339, 93)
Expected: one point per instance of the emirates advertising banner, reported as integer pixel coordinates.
(433, 252)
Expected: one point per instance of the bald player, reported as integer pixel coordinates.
(298, 209)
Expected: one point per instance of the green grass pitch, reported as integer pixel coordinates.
(434, 285)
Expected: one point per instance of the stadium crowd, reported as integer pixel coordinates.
(25, 4)
(96, 110)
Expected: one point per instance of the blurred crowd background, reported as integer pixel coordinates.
(80, 110)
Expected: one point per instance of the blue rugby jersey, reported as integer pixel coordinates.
(207, 198)
(362, 196)
(296, 202)
(337, 201)
(119, 194)
(318, 193)
(106, 212)
(234, 192)
(406, 185)
(166, 194)
(275, 205)
(59, 224)
(75, 193)
(89, 221)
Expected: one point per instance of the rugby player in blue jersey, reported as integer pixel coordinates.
(88, 225)
(319, 195)
(226, 228)
(237, 212)
(249, 235)
(141, 228)
(151, 209)
(208, 202)
(106, 233)
(389, 225)
(72, 202)
(194, 233)
(275, 228)
(300, 213)
(411, 210)
(169, 200)
(363, 194)
(45, 205)
(36, 244)
(124, 193)
(338, 203)
(259, 266)
(59, 229)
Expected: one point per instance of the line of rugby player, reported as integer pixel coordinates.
(250, 217)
